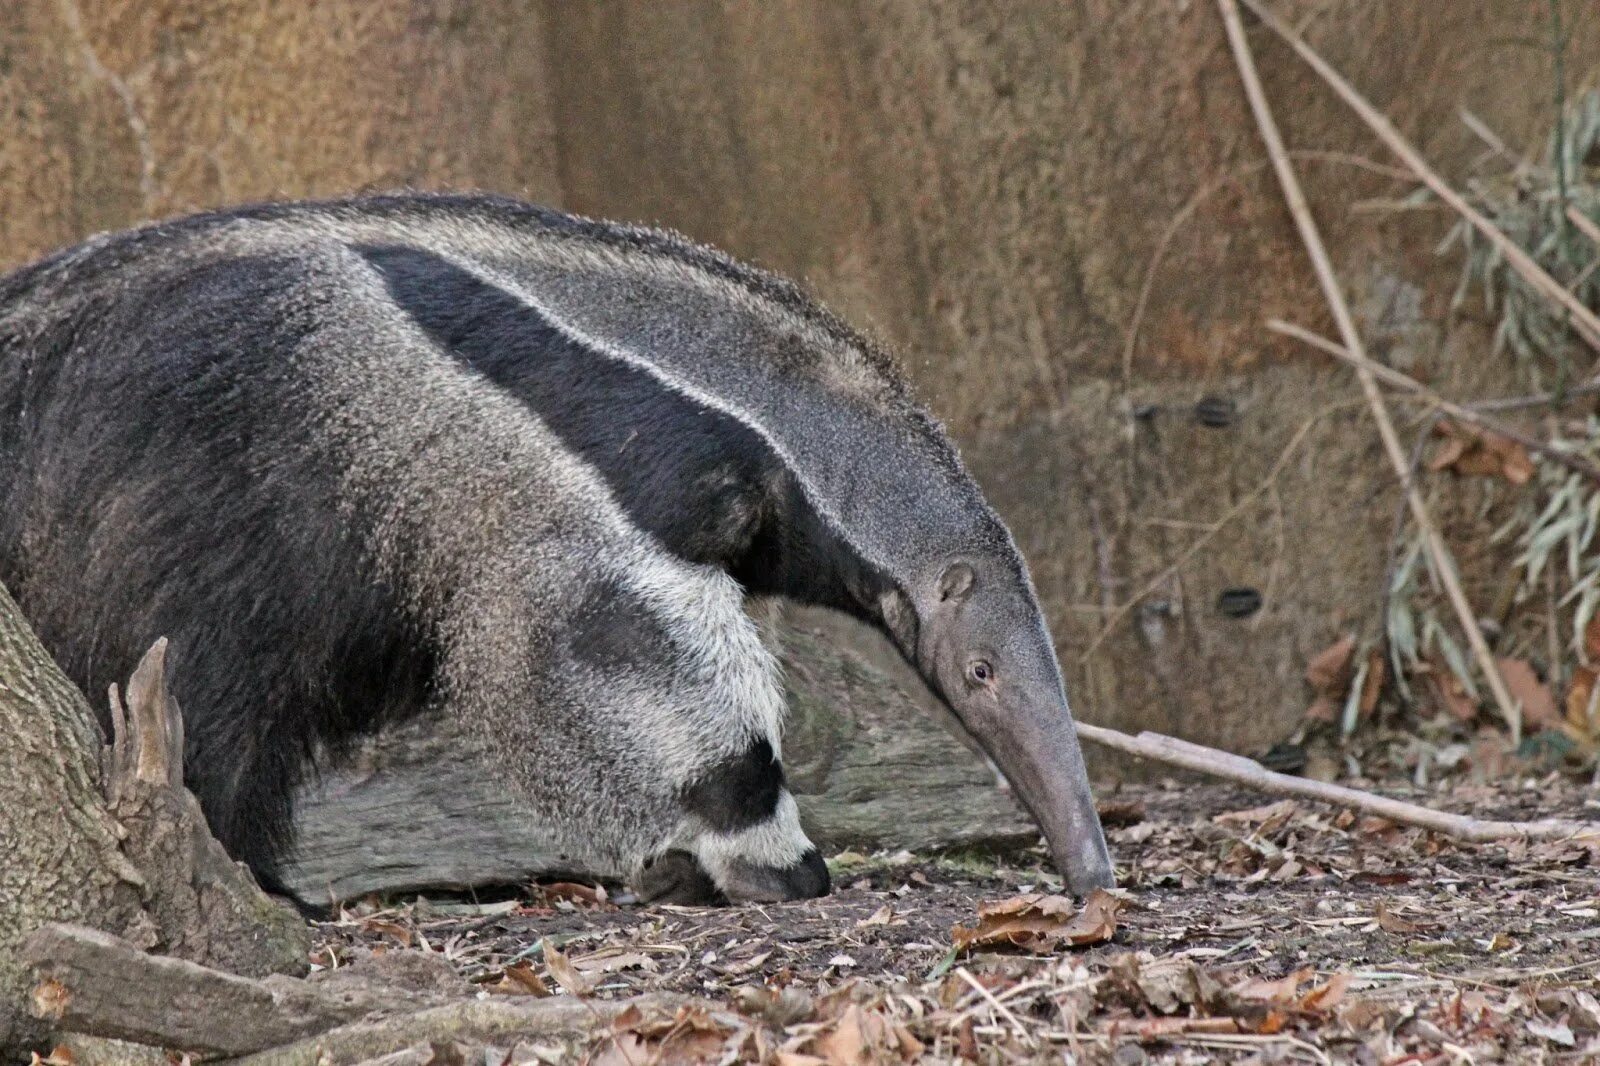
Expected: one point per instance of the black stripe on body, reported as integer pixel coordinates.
(739, 792)
(705, 484)
(613, 628)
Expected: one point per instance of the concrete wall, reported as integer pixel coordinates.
(986, 185)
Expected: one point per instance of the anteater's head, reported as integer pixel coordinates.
(971, 625)
(649, 734)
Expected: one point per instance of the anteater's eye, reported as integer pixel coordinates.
(980, 672)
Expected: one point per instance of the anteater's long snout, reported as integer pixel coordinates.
(1036, 747)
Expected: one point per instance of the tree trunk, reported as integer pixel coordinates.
(138, 863)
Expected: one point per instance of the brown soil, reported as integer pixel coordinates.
(1237, 916)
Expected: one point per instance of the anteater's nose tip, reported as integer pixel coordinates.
(805, 879)
(1094, 872)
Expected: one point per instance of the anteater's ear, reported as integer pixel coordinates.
(899, 618)
(955, 582)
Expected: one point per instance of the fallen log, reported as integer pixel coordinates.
(94, 983)
(422, 805)
(562, 1019)
(1240, 770)
(97, 985)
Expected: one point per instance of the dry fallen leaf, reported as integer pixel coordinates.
(882, 916)
(1271, 816)
(1538, 705)
(1583, 709)
(566, 975)
(780, 1007)
(861, 1036)
(1330, 670)
(520, 979)
(400, 932)
(1390, 922)
(1449, 694)
(1372, 683)
(1555, 1032)
(1326, 996)
(691, 1035)
(791, 1058)
(614, 960)
(1474, 452)
(1167, 985)
(1281, 992)
(1040, 922)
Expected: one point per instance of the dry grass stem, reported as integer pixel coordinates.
(1444, 565)
(1395, 378)
(1584, 321)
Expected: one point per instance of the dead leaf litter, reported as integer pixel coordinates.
(1242, 931)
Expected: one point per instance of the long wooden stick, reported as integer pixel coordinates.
(1584, 321)
(1229, 767)
(1443, 564)
(1390, 376)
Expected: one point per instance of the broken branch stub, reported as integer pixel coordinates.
(151, 715)
(205, 907)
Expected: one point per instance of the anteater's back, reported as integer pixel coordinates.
(223, 434)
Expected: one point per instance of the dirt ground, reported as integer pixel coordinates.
(1243, 931)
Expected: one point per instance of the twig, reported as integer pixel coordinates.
(1584, 224)
(1000, 1008)
(1269, 591)
(1584, 321)
(1210, 530)
(1240, 770)
(1200, 196)
(1509, 708)
(1538, 399)
(149, 183)
(1391, 376)
(1396, 527)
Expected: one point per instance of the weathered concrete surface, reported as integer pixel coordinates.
(985, 185)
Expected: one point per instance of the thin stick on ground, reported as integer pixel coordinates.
(1584, 321)
(1236, 768)
(1444, 565)
(1390, 376)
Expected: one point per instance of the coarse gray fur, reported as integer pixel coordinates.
(426, 483)
(790, 440)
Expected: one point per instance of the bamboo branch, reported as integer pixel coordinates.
(1243, 771)
(1312, 238)
(1584, 321)
(1390, 376)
